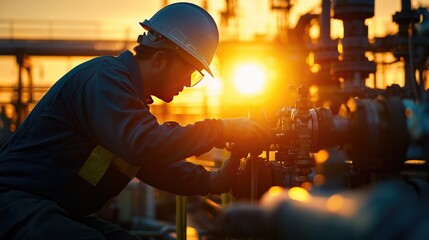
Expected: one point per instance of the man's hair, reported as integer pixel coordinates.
(144, 52)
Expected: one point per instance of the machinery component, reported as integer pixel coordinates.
(268, 174)
(376, 143)
(328, 211)
(405, 20)
(303, 161)
(374, 131)
(418, 129)
(7, 126)
(374, 213)
(377, 136)
(354, 67)
(409, 45)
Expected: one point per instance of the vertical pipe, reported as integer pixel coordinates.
(406, 4)
(150, 211)
(30, 83)
(18, 104)
(253, 180)
(325, 30)
(181, 217)
(253, 166)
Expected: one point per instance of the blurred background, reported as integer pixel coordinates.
(258, 46)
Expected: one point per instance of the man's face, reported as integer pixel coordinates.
(175, 76)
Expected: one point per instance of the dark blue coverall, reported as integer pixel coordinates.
(81, 145)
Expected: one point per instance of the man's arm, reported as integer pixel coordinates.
(186, 179)
(181, 178)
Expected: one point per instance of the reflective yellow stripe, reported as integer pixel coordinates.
(99, 161)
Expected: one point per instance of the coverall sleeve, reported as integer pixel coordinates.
(113, 116)
(181, 178)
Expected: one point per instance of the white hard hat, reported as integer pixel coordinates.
(190, 31)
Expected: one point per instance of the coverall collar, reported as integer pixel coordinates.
(130, 62)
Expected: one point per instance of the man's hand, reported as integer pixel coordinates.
(247, 135)
(221, 180)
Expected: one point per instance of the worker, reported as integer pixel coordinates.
(92, 132)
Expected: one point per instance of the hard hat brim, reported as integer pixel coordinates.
(198, 61)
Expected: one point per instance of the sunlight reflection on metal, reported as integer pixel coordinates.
(335, 203)
(319, 180)
(307, 186)
(275, 191)
(299, 194)
(321, 156)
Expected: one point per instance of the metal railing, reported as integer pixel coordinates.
(61, 29)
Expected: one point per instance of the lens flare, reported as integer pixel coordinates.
(250, 78)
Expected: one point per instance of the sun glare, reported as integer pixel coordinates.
(250, 78)
(213, 85)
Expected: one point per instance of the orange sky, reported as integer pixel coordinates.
(123, 17)
(254, 14)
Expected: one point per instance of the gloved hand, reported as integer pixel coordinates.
(247, 135)
(221, 180)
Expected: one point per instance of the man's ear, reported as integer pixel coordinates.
(159, 60)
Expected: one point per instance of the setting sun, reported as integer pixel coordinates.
(250, 78)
